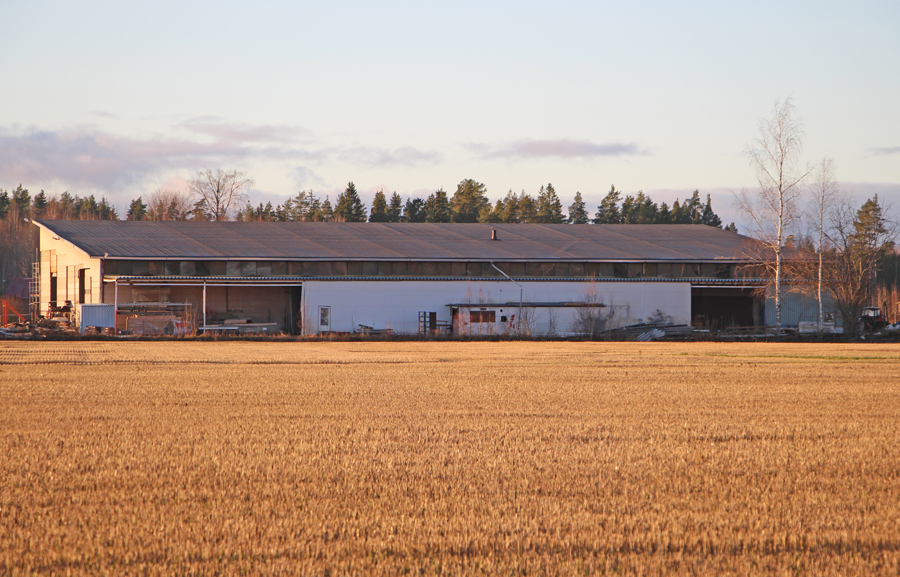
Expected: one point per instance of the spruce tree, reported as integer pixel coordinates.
(414, 211)
(348, 207)
(608, 211)
(527, 210)
(578, 211)
(327, 211)
(708, 217)
(395, 208)
(137, 210)
(379, 208)
(494, 214)
(437, 207)
(510, 208)
(549, 209)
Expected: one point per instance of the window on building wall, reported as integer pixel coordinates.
(482, 316)
(708, 270)
(248, 268)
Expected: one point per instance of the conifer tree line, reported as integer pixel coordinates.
(18, 239)
(470, 204)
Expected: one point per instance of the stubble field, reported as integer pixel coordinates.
(449, 458)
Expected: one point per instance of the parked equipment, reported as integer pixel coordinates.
(5, 314)
(871, 320)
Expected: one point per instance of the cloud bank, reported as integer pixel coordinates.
(558, 148)
(96, 159)
(88, 157)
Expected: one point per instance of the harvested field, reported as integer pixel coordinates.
(449, 458)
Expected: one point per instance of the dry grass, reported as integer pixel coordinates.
(451, 458)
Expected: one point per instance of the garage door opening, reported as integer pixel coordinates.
(722, 308)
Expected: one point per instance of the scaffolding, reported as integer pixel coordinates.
(34, 291)
(429, 324)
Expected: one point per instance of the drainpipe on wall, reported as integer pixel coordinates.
(519, 316)
(116, 307)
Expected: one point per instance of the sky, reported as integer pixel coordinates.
(118, 99)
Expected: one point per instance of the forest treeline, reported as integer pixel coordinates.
(19, 240)
(469, 203)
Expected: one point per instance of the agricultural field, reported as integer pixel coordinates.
(505, 458)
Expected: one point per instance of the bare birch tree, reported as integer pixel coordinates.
(773, 209)
(825, 196)
(219, 191)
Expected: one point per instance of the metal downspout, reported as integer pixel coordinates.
(519, 316)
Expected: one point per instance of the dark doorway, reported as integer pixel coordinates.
(82, 285)
(721, 308)
(294, 319)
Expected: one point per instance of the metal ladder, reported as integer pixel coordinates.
(34, 291)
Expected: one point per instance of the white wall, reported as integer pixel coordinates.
(396, 304)
(65, 259)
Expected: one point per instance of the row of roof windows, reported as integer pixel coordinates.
(415, 269)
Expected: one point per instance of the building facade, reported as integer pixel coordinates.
(313, 278)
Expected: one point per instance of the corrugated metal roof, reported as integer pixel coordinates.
(392, 241)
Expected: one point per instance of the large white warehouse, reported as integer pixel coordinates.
(312, 278)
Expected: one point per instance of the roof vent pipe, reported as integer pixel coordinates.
(493, 234)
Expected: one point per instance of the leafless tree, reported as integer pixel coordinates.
(595, 316)
(168, 204)
(773, 210)
(859, 238)
(219, 192)
(825, 197)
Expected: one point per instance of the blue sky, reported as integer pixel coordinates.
(117, 99)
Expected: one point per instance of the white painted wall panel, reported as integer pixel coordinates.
(66, 261)
(396, 304)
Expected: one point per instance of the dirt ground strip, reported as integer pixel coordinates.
(449, 458)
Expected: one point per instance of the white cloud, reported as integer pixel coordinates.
(557, 148)
(886, 151)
